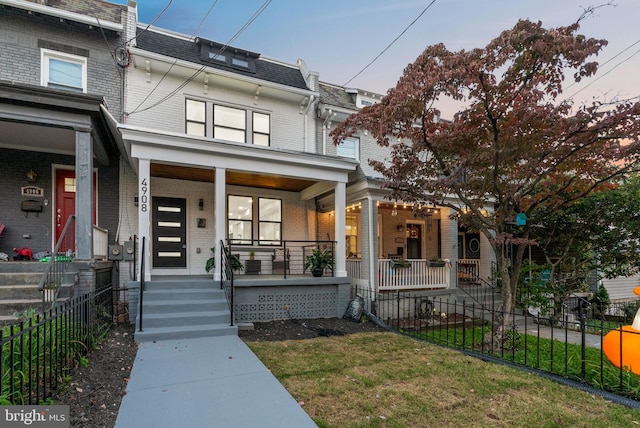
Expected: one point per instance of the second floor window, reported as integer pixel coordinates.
(229, 123)
(63, 71)
(349, 148)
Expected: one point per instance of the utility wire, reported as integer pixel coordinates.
(158, 16)
(610, 70)
(201, 69)
(391, 44)
(175, 61)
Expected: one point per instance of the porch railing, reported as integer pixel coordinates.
(100, 242)
(142, 284)
(284, 259)
(53, 275)
(468, 271)
(415, 274)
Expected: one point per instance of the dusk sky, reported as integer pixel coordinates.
(338, 38)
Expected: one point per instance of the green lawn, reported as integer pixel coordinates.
(389, 380)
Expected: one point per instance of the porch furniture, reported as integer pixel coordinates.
(253, 267)
(280, 261)
(468, 271)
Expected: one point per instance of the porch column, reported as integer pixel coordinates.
(369, 239)
(219, 217)
(450, 243)
(144, 212)
(340, 195)
(84, 195)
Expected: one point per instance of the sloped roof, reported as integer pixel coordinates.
(336, 96)
(96, 8)
(189, 50)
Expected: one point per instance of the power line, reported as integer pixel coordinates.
(391, 44)
(201, 69)
(610, 70)
(158, 16)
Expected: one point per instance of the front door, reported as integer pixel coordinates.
(66, 201)
(414, 241)
(169, 232)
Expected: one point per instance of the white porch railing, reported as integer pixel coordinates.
(353, 268)
(417, 275)
(100, 242)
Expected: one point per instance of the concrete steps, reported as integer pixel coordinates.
(19, 288)
(180, 309)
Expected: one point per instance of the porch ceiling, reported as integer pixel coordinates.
(264, 181)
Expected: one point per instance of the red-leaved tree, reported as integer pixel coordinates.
(516, 148)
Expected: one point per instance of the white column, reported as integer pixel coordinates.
(340, 227)
(144, 213)
(219, 217)
(84, 195)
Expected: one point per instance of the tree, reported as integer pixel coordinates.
(517, 147)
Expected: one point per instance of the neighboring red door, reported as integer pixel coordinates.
(66, 198)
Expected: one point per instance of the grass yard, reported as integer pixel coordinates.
(389, 380)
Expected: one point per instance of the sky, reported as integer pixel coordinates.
(339, 38)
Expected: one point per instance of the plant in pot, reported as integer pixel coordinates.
(436, 262)
(318, 261)
(252, 255)
(234, 260)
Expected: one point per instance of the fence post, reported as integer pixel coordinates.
(583, 340)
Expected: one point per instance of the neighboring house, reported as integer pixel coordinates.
(60, 98)
(380, 230)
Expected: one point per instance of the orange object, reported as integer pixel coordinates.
(622, 345)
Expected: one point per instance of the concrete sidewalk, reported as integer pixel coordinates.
(205, 382)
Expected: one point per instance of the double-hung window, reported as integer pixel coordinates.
(270, 221)
(195, 115)
(349, 148)
(63, 71)
(229, 124)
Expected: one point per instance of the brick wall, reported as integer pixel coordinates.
(21, 58)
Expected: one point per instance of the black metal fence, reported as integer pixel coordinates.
(40, 351)
(567, 345)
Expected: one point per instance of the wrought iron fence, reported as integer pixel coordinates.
(567, 345)
(40, 351)
(54, 275)
(226, 278)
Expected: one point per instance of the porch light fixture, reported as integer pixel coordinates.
(394, 211)
(201, 204)
(31, 176)
(400, 228)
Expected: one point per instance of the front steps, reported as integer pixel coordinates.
(19, 289)
(183, 308)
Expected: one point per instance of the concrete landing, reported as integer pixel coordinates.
(205, 382)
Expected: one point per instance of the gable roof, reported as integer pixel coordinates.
(189, 50)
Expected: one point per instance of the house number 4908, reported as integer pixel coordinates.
(144, 198)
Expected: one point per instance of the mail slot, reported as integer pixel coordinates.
(31, 206)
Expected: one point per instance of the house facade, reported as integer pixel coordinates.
(199, 150)
(60, 98)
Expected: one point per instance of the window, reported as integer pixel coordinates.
(229, 123)
(63, 71)
(349, 148)
(240, 218)
(195, 117)
(216, 53)
(351, 233)
(270, 221)
(260, 129)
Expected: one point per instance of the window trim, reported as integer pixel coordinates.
(187, 121)
(213, 121)
(46, 54)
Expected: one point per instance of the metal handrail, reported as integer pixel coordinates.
(142, 275)
(54, 271)
(226, 278)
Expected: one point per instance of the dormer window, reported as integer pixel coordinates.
(215, 53)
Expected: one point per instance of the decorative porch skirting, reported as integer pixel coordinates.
(299, 298)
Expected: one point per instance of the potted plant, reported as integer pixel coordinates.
(234, 260)
(436, 262)
(252, 255)
(318, 261)
(400, 263)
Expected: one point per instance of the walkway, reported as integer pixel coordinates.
(559, 334)
(205, 382)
